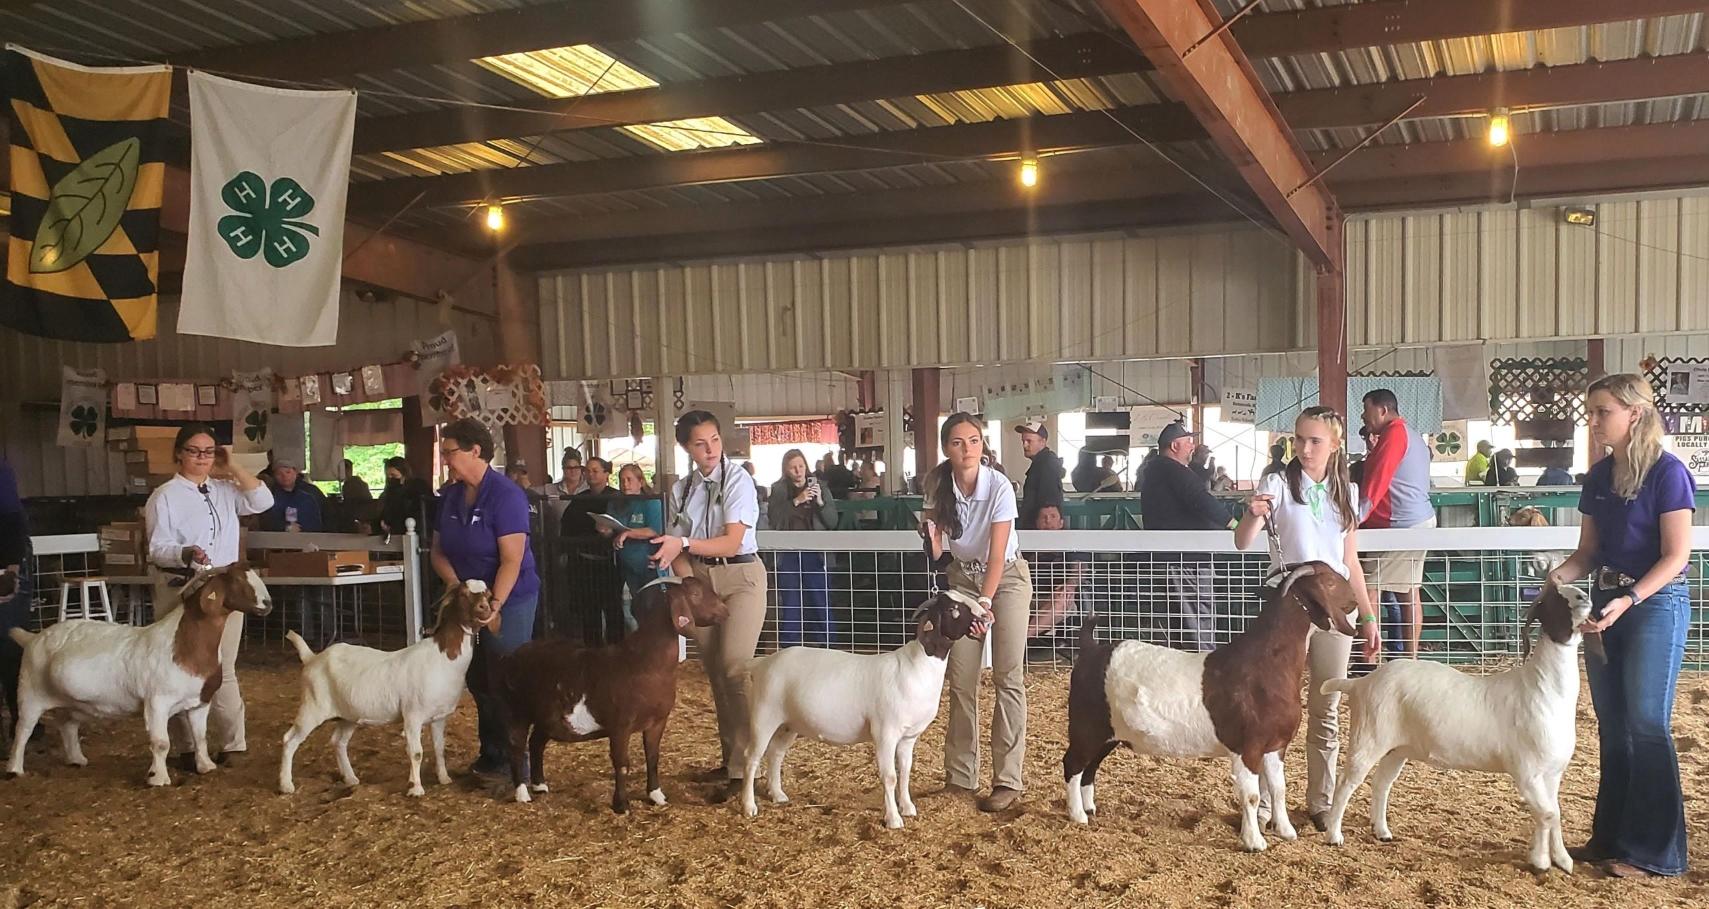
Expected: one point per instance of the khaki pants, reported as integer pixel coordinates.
(726, 648)
(1327, 656)
(226, 723)
(1012, 604)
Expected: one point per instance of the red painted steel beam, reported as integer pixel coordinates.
(1216, 82)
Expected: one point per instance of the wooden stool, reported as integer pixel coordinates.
(89, 590)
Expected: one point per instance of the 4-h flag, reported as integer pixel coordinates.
(82, 408)
(87, 175)
(269, 169)
(251, 407)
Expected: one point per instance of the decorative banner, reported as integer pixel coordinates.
(286, 431)
(794, 432)
(82, 408)
(1106, 403)
(326, 445)
(463, 391)
(1464, 371)
(967, 405)
(1420, 397)
(88, 174)
(373, 381)
(269, 170)
(1146, 423)
(291, 397)
(343, 384)
(251, 407)
(1453, 443)
(1063, 389)
(1239, 405)
(310, 390)
(433, 356)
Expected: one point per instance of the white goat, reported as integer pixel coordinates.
(361, 686)
(84, 669)
(1519, 722)
(888, 699)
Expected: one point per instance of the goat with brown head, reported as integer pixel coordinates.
(463, 610)
(558, 690)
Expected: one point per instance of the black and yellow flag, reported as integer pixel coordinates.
(83, 257)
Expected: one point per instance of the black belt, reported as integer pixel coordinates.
(742, 559)
(1609, 579)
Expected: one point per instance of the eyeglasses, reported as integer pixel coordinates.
(200, 453)
(448, 453)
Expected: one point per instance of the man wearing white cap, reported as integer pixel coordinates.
(1043, 485)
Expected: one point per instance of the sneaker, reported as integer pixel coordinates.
(1002, 798)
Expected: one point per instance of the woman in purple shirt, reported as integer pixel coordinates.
(482, 533)
(1635, 543)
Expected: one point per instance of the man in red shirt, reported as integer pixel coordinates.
(1396, 493)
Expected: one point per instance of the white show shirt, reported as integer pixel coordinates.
(180, 515)
(708, 506)
(992, 502)
(1310, 531)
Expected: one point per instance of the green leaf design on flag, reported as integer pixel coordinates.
(84, 420)
(267, 219)
(85, 206)
(255, 426)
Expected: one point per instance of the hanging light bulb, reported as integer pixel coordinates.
(1499, 133)
(1029, 172)
(495, 218)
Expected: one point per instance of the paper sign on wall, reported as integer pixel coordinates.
(1239, 405)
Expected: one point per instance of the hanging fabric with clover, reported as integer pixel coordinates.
(82, 408)
(88, 171)
(252, 411)
(269, 170)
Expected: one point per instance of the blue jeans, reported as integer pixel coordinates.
(1640, 811)
(803, 600)
(634, 579)
(516, 627)
(1395, 627)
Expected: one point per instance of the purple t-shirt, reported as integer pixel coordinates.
(1629, 534)
(468, 534)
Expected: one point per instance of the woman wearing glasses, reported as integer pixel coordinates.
(192, 524)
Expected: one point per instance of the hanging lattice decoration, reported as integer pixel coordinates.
(1538, 389)
(497, 396)
(1659, 372)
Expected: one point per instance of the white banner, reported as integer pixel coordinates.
(251, 411)
(1688, 383)
(1464, 371)
(1240, 405)
(869, 429)
(434, 356)
(269, 169)
(1693, 450)
(82, 408)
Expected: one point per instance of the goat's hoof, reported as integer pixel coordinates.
(416, 791)
(893, 823)
(910, 811)
(1334, 838)
(778, 798)
(445, 779)
(162, 780)
(657, 797)
(287, 789)
(1385, 837)
(205, 770)
(750, 811)
(1257, 845)
(14, 774)
(620, 807)
(522, 794)
(1566, 865)
(1078, 817)
(1288, 835)
(538, 787)
(79, 761)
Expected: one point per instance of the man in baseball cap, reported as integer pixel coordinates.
(1043, 484)
(1172, 497)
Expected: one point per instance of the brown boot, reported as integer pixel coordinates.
(1002, 798)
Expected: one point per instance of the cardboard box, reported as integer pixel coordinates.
(131, 438)
(283, 563)
(144, 483)
(124, 547)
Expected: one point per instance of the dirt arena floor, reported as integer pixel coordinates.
(97, 837)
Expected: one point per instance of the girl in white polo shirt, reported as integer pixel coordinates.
(970, 512)
(1314, 507)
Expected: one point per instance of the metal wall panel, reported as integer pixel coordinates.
(1052, 299)
(367, 333)
(1499, 275)
(794, 394)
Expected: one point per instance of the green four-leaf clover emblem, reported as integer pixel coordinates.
(268, 220)
(84, 420)
(255, 426)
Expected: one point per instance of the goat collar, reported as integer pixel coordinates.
(667, 579)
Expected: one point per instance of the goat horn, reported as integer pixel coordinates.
(1296, 574)
(1525, 631)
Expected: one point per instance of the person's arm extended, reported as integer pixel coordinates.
(1380, 468)
(1583, 558)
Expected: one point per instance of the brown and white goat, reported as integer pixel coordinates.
(417, 686)
(1240, 701)
(556, 690)
(87, 669)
